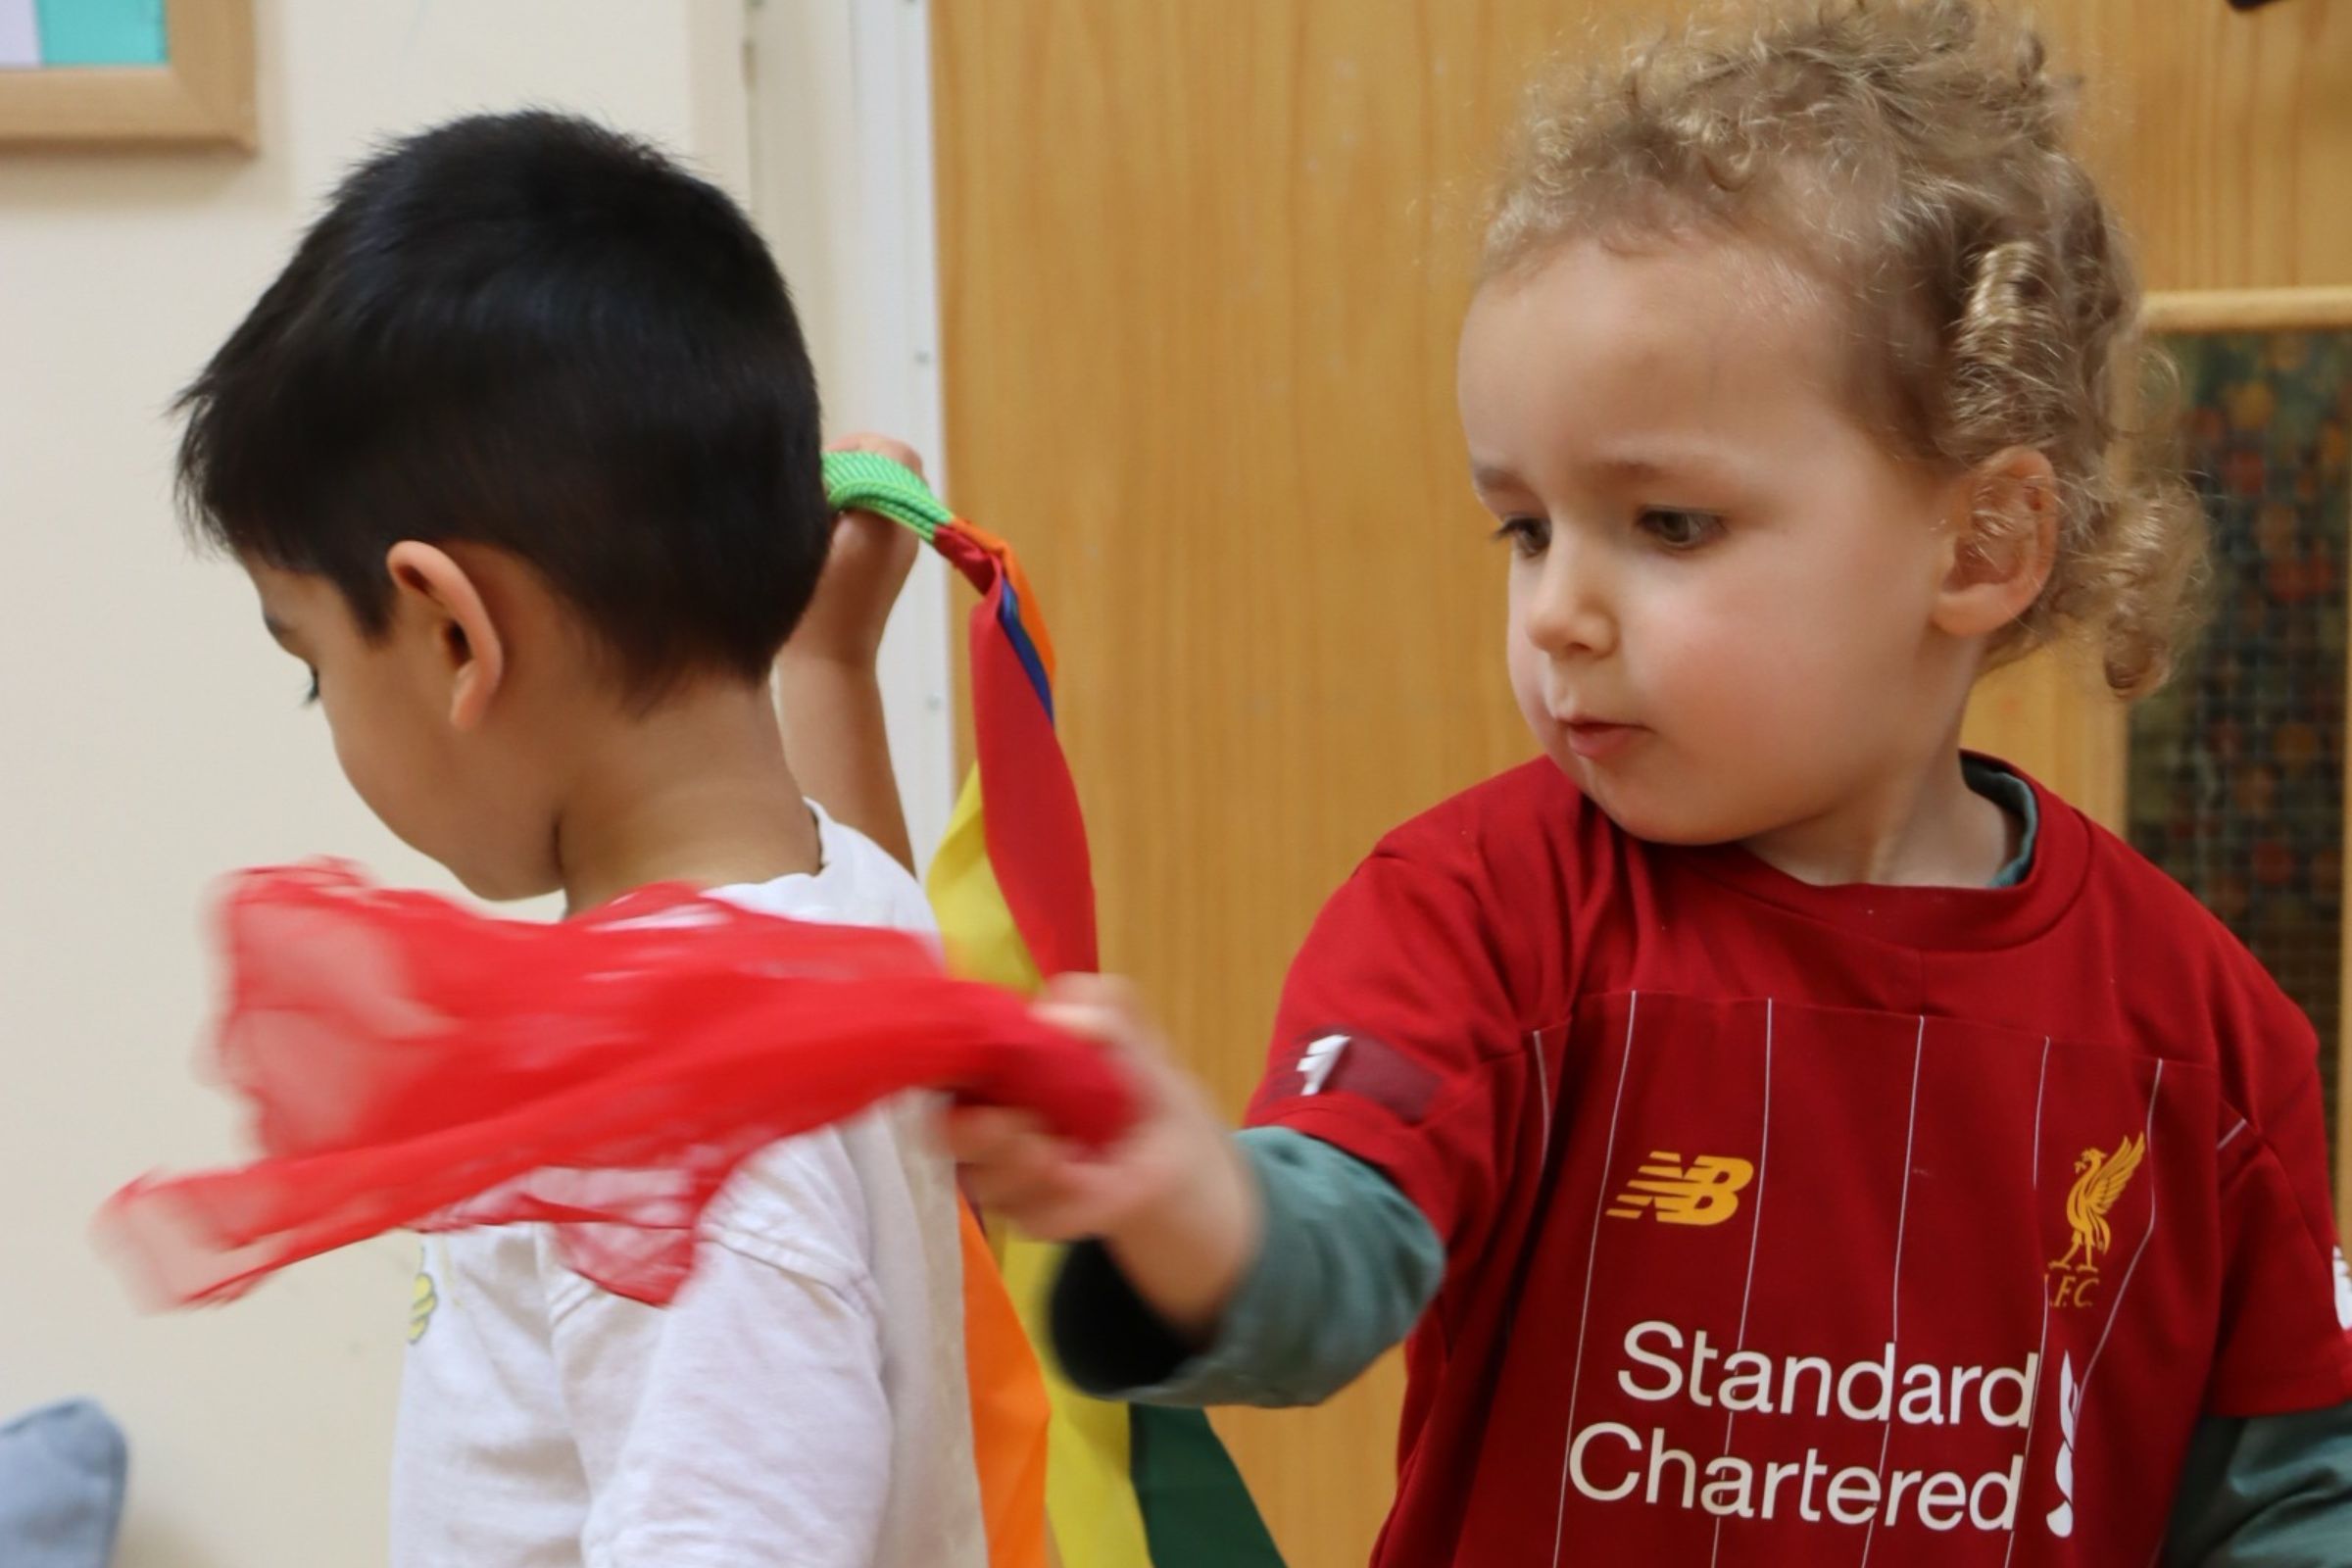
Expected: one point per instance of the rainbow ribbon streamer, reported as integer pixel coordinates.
(1124, 1485)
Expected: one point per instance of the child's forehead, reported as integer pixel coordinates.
(1668, 336)
(1665, 298)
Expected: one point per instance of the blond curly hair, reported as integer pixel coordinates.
(1915, 153)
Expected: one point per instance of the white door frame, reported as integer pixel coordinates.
(840, 180)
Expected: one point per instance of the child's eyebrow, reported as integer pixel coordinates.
(1653, 464)
(278, 629)
(1643, 466)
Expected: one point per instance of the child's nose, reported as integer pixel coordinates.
(1570, 610)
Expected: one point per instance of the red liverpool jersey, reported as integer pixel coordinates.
(1791, 1225)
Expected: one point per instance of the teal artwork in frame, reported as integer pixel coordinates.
(71, 33)
(126, 72)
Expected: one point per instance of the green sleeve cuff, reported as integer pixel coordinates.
(1347, 1267)
(2265, 1491)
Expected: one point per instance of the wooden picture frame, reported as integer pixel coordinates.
(2189, 312)
(202, 96)
(2192, 312)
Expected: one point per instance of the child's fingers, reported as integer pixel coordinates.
(1065, 1200)
(1084, 1197)
(1028, 1186)
(870, 551)
(1102, 992)
(1102, 1010)
(1028, 1198)
(1012, 1166)
(983, 1135)
(866, 565)
(1005, 1156)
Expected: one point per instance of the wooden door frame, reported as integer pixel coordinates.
(2201, 311)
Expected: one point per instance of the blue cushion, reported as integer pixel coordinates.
(62, 1469)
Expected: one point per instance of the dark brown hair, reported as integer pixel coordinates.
(529, 331)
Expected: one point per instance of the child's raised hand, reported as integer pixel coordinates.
(863, 573)
(1174, 1198)
(827, 680)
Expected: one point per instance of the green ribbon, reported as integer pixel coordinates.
(867, 481)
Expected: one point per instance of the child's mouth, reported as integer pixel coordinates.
(1594, 741)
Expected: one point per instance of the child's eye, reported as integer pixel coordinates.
(311, 695)
(1528, 536)
(1679, 529)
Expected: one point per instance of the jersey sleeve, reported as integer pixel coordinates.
(2285, 1341)
(2267, 1491)
(1397, 1040)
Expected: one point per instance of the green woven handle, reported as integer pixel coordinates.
(867, 481)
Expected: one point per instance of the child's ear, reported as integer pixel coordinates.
(432, 585)
(2004, 540)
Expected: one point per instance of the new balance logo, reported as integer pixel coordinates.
(1706, 1191)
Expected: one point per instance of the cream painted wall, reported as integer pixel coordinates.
(150, 736)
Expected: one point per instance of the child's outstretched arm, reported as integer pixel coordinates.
(1264, 1268)
(826, 680)
(1402, 1091)
(1173, 1201)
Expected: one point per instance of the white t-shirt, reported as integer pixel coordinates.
(802, 1401)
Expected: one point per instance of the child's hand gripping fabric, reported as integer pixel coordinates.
(1172, 1199)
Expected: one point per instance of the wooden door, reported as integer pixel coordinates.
(1203, 264)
